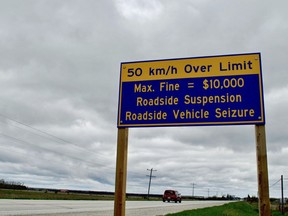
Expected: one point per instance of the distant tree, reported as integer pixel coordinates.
(248, 198)
(251, 199)
(12, 185)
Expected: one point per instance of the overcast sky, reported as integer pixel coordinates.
(59, 85)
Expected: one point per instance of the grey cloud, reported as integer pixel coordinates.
(59, 73)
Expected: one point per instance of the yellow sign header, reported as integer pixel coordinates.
(227, 65)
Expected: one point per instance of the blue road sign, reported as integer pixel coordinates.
(215, 90)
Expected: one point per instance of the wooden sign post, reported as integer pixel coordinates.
(121, 172)
(211, 90)
(262, 170)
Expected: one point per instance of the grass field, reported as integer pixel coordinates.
(230, 209)
(48, 195)
(58, 195)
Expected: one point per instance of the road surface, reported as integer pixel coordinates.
(96, 208)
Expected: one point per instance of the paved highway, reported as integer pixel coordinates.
(96, 208)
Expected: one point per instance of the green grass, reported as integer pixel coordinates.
(230, 209)
(50, 195)
(26, 194)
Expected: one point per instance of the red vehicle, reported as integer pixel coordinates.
(172, 195)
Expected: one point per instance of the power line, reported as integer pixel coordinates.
(14, 139)
(48, 135)
(275, 183)
(36, 129)
(62, 153)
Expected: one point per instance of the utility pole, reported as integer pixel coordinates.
(150, 176)
(193, 186)
(282, 196)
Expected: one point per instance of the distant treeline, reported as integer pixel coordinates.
(12, 185)
(131, 195)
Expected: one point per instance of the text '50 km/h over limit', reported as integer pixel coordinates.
(214, 90)
(188, 68)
